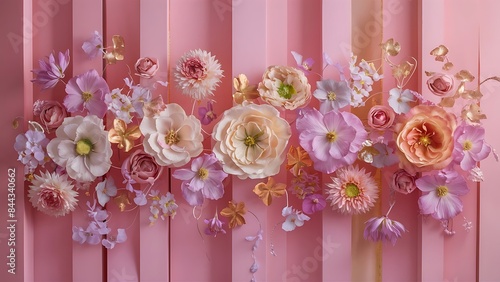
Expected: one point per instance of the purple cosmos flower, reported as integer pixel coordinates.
(31, 149)
(383, 229)
(303, 65)
(332, 94)
(207, 114)
(214, 226)
(313, 203)
(52, 71)
(203, 180)
(332, 140)
(87, 91)
(293, 219)
(93, 46)
(105, 190)
(112, 240)
(399, 101)
(442, 194)
(470, 147)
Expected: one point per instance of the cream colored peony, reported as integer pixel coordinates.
(172, 137)
(81, 146)
(285, 87)
(52, 194)
(250, 141)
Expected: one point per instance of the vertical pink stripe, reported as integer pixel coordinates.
(489, 232)
(431, 241)
(336, 236)
(87, 18)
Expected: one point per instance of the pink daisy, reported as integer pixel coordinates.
(353, 191)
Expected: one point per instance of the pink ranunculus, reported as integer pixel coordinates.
(440, 84)
(381, 117)
(146, 67)
(52, 114)
(403, 182)
(425, 140)
(141, 167)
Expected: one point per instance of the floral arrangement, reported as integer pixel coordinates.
(435, 148)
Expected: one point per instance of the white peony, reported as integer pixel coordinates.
(250, 141)
(81, 146)
(172, 137)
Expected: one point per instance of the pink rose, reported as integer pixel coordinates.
(51, 113)
(146, 67)
(381, 117)
(141, 167)
(440, 84)
(403, 182)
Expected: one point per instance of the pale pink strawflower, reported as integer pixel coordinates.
(353, 191)
(52, 194)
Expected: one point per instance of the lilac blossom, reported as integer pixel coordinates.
(383, 229)
(332, 140)
(120, 105)
(303, 65)
(293, 218)
(203, 180)
(313, 203)
(93, 47)
(333, 95)
(89, 235)
(385, 157)
(112, 240)
(442, 190)
(31, 148)
(87, 91)
(51, 71)
(470, 146)
(399, 101)
(214, 226)
(105, 190)
(140, 198)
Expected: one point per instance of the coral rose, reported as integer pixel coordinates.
(426, 139)
(285, 87)
(440, 84)
(250, 141)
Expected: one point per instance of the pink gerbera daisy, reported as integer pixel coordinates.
(353, 191)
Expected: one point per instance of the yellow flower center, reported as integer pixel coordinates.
(86, 96)
(351, 190)
(467, 145)
(250, 141)
(84, 147)
(331, 136)
(286, 91)
(425, 140)
(442, 191)
(203, 173)
(331, 96)
(172, 137)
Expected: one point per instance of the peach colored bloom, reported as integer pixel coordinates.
(440, 84)
(425, 141)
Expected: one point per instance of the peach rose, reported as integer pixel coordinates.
(440, 84)
(250, 141)
(426, 139)
(146, 67)
(285, 87)
(381, 117)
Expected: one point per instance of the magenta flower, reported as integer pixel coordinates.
(332, 140)
(442, 194)
(332, 94)
(87, 91)
(214, 226)
(383, 229)
(93, 47)
(207, 114)
(203, 180)
(52, 71)
(313, 203)
(470, 147)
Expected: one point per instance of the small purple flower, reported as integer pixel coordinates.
(303, 65)
(105, 190)
(207, 114)
(443, 189)
(385, 157)
(112, 240)
(31, 148)
(120, 105)
(399, 101)
(140, 198)
(470, 146)
(332, 140)
(90, 235)
(313, 203)
(332, 95)
(383, 229)
(168, 205)
(214, 226)
(203, 180)
(52, 71)
(87, 91)
(93, 46)
(293, 218)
